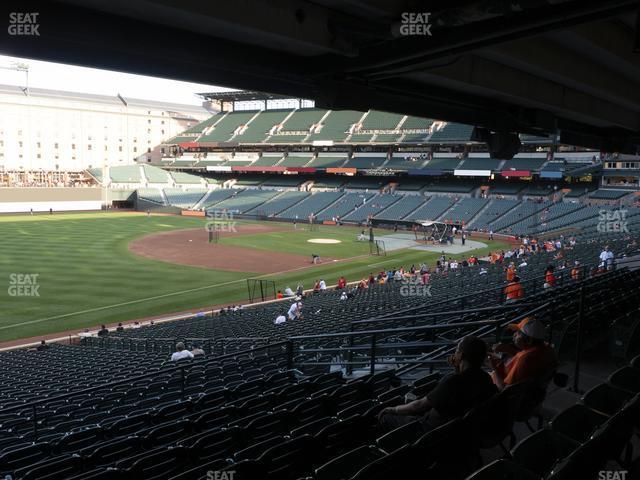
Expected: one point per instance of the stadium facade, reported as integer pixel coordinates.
(47, 135)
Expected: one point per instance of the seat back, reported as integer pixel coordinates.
(55, 468)
(290, 459)
(159, 463)
(401, 436)
(347, 464)
(217, 444)
(109, 452)
(541, 450)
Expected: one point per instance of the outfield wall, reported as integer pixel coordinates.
(58, 199)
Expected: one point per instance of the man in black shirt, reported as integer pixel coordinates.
(454, 395)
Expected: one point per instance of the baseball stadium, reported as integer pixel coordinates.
(400, 244)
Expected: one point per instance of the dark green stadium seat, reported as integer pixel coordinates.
(541, 450)
(504, 470)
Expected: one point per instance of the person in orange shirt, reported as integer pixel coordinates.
(514, 290)
(575, 271)
(279, 295)
(549, 277)
(528, 358)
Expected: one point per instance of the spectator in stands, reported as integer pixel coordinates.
(120, 328)
(363, 284)
(316, 287)
(180, 353)
(372, 279)
(299, 290)
(454, 395)
(575, 271)
(323, 285)
(606, 258)
(295, 311)
(103, 331)
(43, 346)
(279, 294)
(549, 277)
(288, 292)
(196, 350)
(136, 325)
(342, 283)
(511, 272)
(529, 357)
(514, 291)
(280, 319)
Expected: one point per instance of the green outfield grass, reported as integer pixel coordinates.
(87, 276)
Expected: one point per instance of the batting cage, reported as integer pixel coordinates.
(425, 231)
(377, 247)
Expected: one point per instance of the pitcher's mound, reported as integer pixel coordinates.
(323, 240)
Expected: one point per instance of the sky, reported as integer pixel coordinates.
(57, 76)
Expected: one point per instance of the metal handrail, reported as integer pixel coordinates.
(442, 326)
(447, 312)
(403, 370)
